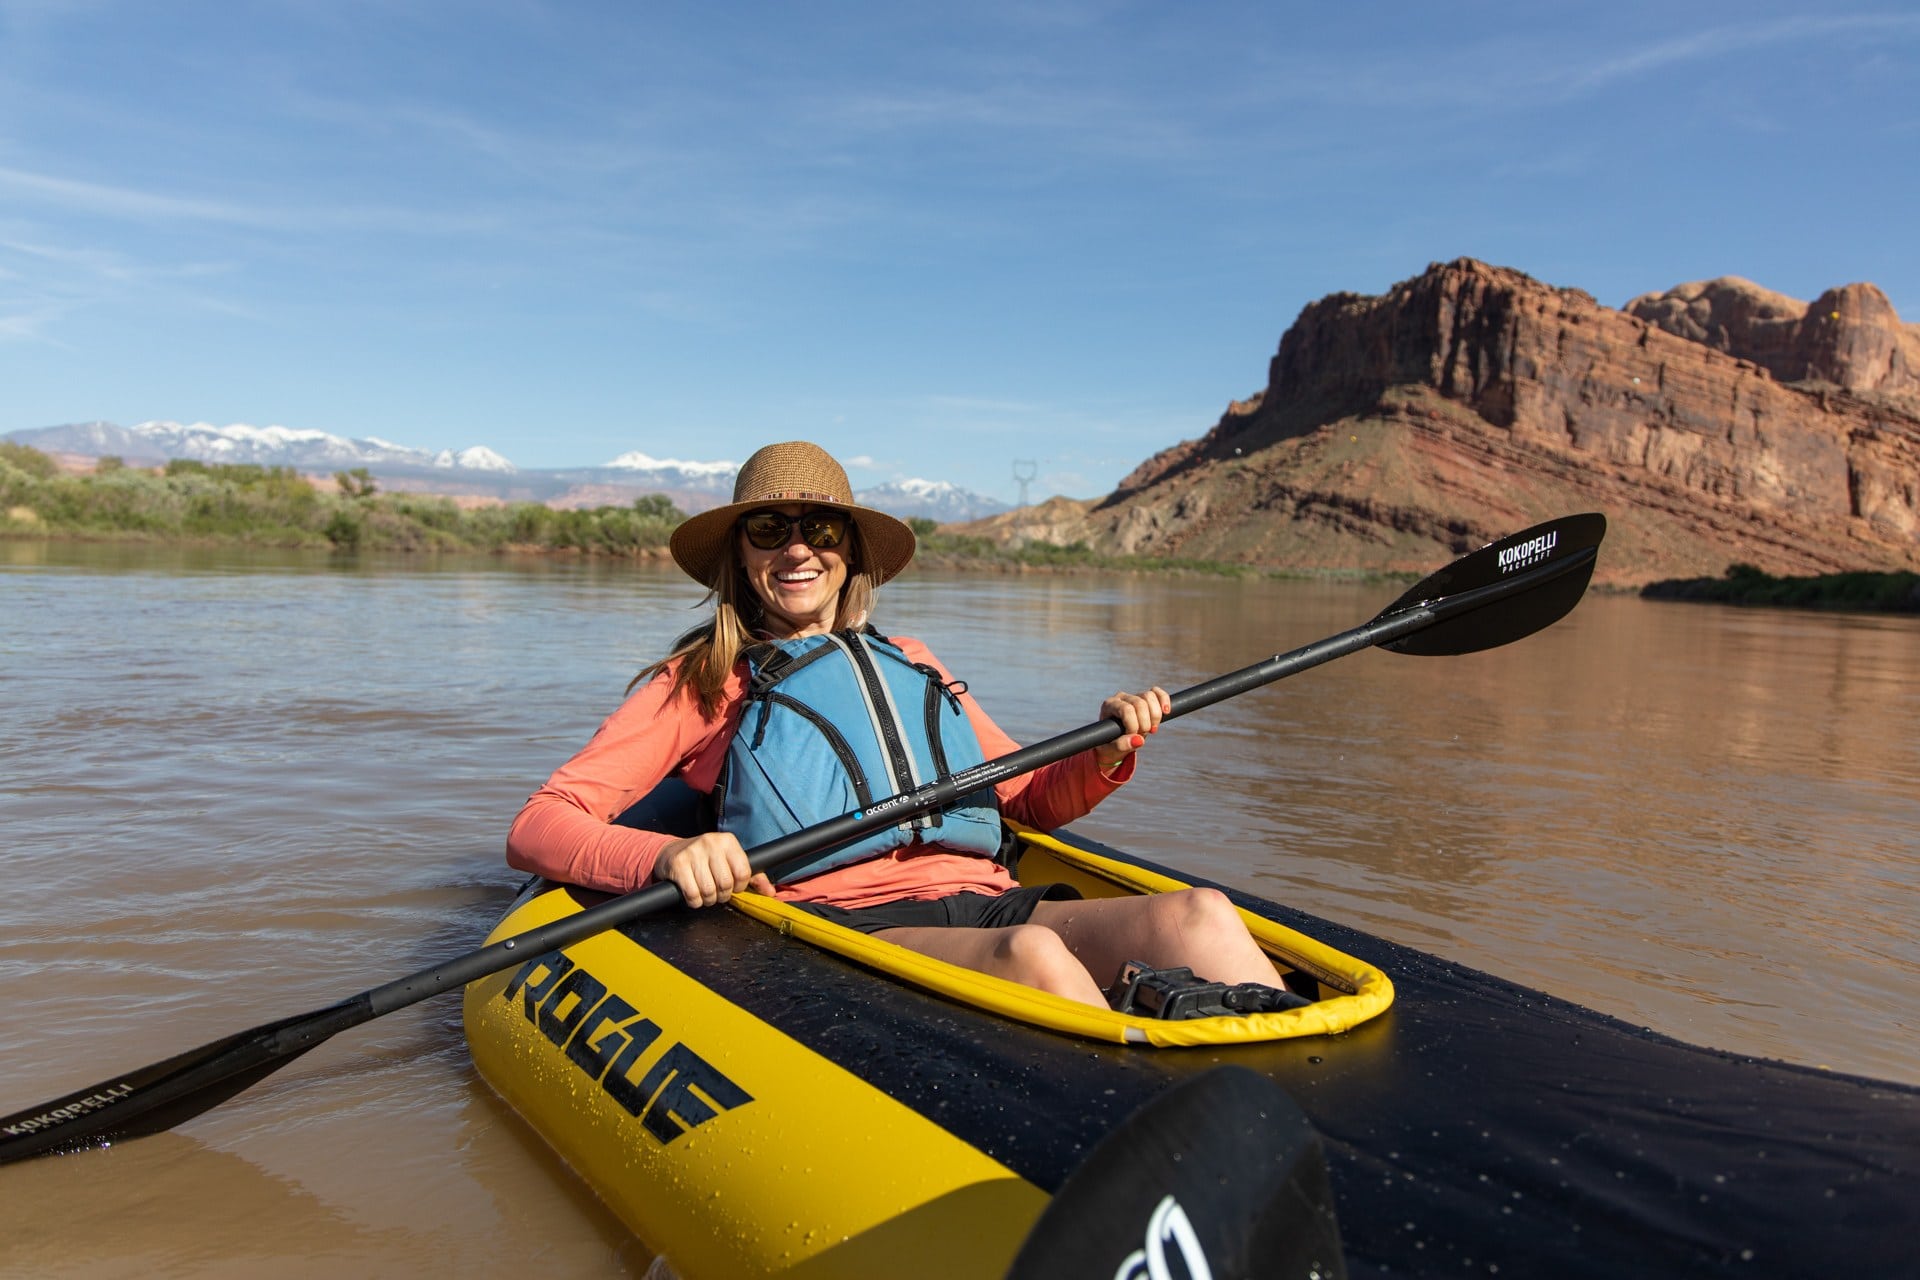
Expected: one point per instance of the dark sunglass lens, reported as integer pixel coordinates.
(823, 529)
(767, 529)
(771, 531)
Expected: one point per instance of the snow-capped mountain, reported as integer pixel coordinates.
(91, 439)
(936, 500)
(265, 446)
(672, 475)
(711, 484)
(692, 486)
(477, 458)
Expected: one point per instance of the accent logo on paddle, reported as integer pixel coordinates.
(1172, 1248)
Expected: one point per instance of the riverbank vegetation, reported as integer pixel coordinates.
(1745, 585)
(962, 551)
(247, 505)
(258, 506)
(277, 507)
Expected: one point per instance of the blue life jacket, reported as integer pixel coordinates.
(835, 722)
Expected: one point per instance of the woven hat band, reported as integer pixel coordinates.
(798, 495)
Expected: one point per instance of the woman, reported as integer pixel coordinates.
(793, 563)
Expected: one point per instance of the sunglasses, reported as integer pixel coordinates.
(771, 531)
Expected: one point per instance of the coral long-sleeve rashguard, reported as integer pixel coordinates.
(565, 831)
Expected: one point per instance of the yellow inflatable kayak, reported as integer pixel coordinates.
(760, 1092)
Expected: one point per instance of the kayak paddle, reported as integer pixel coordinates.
(1490, 597)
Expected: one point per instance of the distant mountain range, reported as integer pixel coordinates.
(478, 471)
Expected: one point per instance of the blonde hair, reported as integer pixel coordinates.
(707, 655)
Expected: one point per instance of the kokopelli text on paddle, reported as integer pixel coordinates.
(1530, 552)
(606, 1038)
(60, 1115)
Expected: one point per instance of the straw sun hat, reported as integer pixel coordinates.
(775, 476)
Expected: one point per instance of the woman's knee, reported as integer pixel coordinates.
(1026, 947)
(1039, 957)
(1201, 911)
(1216, 944)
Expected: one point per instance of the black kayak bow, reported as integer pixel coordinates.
(1490, 597)
(1219, 1176)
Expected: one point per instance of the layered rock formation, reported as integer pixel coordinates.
(1714, 424)
(1849, 337)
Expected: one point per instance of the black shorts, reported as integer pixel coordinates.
(963, 910)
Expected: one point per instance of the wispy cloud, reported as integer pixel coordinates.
(109, 201)
(43, 284)
(982, 405)
(1074, 121)
(1723, 42)
(98, 198)
(104, 264)
(1524, 70)
(21, 328)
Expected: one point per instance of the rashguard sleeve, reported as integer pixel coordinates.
(565, 830)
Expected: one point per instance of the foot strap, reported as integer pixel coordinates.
(1175, 994)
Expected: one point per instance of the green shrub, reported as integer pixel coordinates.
(276, 506)
(357, 483)
(343, 530)
(28, 460)
(1743, 584)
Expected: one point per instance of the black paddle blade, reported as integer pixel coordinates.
(1538, 574)
(1220, 1177)
(157, 1097)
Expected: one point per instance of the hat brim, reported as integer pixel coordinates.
(700, 543)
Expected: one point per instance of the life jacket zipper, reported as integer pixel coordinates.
(937, 689)
(933, 731)
(883, 714)
(862, 790)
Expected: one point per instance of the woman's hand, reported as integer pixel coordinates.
(1139, 714)
(708, 869)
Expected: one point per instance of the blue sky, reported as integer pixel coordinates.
(937, 238)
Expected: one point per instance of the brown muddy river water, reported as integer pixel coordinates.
(236, 787)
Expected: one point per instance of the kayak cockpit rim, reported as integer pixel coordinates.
(1353, 990)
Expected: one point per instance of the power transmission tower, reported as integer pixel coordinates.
(1023, 474)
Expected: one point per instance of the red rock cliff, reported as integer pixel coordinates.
(1849, 337)
(1715, 423)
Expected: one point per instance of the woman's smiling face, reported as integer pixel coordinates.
(799, 584)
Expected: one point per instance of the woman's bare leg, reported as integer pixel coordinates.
(1028, 953)
(1076, 948)
(1198, 929)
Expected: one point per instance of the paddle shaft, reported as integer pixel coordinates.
(774, 854)
(163, 1094)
